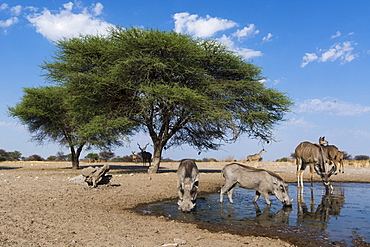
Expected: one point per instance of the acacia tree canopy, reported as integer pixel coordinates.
(47, 114)
(178, 89)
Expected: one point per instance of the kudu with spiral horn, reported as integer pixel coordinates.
(312, 154)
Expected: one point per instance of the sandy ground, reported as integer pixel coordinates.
(39, 207)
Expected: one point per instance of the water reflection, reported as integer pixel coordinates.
(317, 218)
(338, 214)
(268, 218)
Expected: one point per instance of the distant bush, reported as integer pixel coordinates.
(10, 156)
(361, 157)
(167, 160)
(228, 158)
(127, 158)
(285, 159)
(34, 157)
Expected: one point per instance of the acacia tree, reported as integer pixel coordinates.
(194, 91)
(179, 89)
(44, 112)
(47, 114)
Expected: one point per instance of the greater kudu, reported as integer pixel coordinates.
(134, 156)
(255, 157)
(145, 156)
(334, 156)
(313, 154)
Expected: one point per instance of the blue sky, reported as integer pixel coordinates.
(318, 52)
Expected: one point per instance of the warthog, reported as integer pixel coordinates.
(188, 177)
(264, 182)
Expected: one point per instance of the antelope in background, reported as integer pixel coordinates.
(134, 156)
(255, 157)
(334, 156)
(145, 156)
(314, 155)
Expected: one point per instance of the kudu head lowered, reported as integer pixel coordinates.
(321, 167)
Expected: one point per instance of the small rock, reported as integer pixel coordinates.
(77, 180)
(179, 241)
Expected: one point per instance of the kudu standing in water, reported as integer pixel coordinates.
(313, 154)
(145, 156)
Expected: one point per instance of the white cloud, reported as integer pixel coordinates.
(8, 22)
(336, 35)
(333, 107)
(297, 122)
(246, 32)
(268, 38)
(308, 58)
(199, 26)
(98, 9)
(209, 26)
(244, 52)
(67, 24)
(340, 51)
(16, 10)
(4, 6)
(12, 20)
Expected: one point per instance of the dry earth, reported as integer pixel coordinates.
(39, 207)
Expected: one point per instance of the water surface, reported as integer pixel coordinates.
(342, 215)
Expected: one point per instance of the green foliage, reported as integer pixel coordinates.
(178, 89)
(51, 158)
(92, 156)
(15, 155)
(10, 156)
(284, 159)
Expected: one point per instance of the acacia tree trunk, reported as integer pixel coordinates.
(76, 156)
(158, 148)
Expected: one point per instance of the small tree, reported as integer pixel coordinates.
(14, 156)
(105, 155)
(347, 156)
(48, 113)
(51, 158)
(92, 156)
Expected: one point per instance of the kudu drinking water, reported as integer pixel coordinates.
(145, 156)
(313, 154)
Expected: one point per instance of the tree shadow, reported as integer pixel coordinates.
(125, 169)
(9, 167)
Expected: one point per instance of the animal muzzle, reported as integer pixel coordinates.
(186, 205)
(288, 202)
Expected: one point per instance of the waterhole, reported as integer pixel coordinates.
(342, 215)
